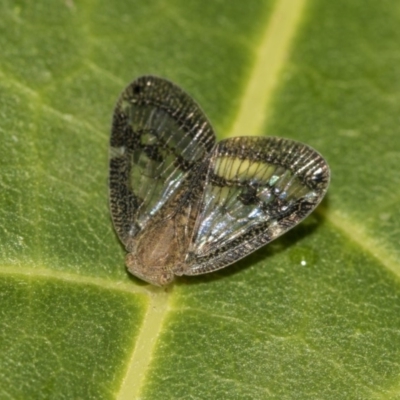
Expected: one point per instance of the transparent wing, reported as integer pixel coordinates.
(159, 134)
(255, 190)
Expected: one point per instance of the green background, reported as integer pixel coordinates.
(313, 315)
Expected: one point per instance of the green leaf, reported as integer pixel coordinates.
(314, 315)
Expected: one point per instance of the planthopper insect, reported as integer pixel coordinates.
(183, 204)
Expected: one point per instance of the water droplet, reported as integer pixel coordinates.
(303, 256)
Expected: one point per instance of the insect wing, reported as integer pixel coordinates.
(256, 189)
(158, 135)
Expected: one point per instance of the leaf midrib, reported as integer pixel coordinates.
(270, 57)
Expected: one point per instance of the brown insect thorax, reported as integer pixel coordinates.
(159, 252)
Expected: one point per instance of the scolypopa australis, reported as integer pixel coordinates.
(183, 204)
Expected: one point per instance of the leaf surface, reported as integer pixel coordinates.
(315, 314)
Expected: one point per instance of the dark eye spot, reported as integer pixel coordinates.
(137, 89)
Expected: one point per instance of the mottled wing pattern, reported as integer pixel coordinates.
(158, 135)
(255, 190)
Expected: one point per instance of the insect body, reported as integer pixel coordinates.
(183, 204)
